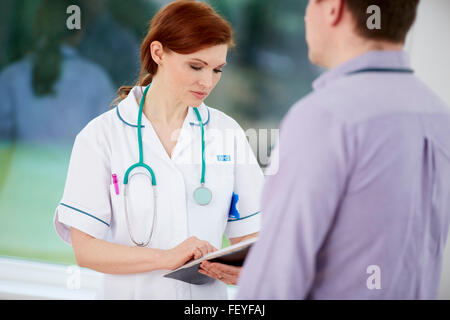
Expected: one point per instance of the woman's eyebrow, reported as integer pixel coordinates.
(205, 63)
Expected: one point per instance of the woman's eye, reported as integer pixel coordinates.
(196, 68)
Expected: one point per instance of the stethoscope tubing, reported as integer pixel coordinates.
(141, 163)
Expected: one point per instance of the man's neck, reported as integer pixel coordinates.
(354, 49)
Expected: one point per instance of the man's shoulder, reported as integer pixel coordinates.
(346, 99)
(313, 105)
(357, 99)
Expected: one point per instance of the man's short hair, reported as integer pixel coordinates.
(397, 17)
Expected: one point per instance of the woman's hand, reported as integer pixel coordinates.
(223, 272)
(191, 248)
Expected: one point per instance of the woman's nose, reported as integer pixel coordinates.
(206, 81)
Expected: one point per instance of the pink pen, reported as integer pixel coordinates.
(116, 186)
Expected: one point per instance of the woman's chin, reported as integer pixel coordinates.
(194, 103)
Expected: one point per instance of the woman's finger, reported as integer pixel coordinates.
(227, 269)
(214, 272)
(197, 253)
(206, 273)
(203, 249)
(211, 275)
(210, 248)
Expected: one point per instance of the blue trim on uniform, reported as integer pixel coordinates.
(234, 213)
(143, 126)
(127, 123)
(204, 123)
(251, 215)
(90, 215)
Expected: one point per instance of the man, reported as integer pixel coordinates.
(359, 208)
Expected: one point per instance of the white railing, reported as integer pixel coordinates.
(22, 279)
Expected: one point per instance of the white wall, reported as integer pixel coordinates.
(429, 48)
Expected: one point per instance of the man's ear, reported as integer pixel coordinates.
(156, 49)
(334, 11)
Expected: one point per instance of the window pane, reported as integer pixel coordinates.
(54, 80)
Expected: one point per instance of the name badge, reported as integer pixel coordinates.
(223, 157)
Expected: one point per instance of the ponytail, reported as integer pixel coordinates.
(123, 91)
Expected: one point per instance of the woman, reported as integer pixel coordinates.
(156, 181)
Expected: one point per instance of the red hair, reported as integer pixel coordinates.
(184, 27)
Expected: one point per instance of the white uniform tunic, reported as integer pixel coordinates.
(109, 145)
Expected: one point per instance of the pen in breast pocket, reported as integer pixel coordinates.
(116, 185)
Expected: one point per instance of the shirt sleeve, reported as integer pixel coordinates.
(299, 204)
(245, 215)
(85, 204)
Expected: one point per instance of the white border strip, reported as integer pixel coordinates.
(21, 279)
(29, 280)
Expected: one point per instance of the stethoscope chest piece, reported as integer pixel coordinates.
(202, 195)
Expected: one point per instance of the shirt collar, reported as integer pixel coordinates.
(127, 110)
(371, 59)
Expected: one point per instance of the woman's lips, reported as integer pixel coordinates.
(199, 95)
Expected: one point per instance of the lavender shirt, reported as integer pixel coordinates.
(360, 205)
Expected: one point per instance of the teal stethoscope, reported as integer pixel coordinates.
(202, 195)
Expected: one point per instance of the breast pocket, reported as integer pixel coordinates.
(118, 223)
(219, 155)
(220, 178)
(220, 168)
(134, 211)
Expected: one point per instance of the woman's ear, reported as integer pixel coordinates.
(156, 49)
